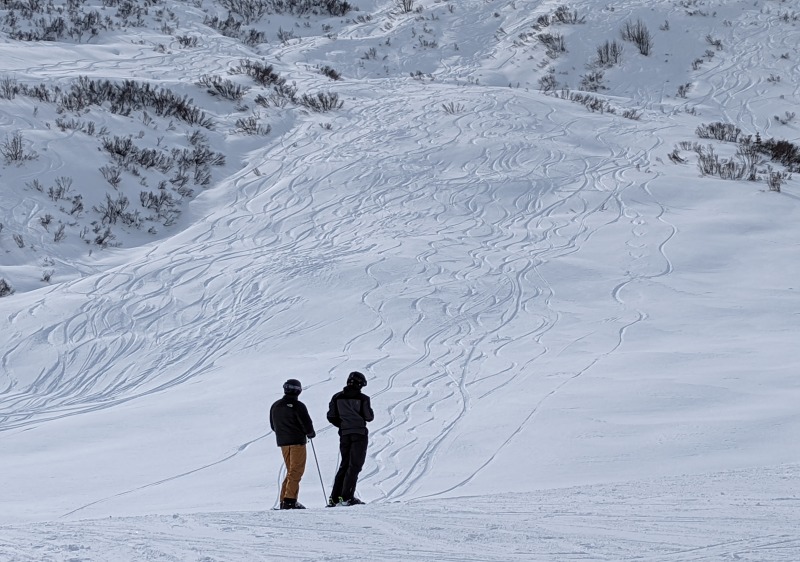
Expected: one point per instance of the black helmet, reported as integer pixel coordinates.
(356, 379)
(292, 386)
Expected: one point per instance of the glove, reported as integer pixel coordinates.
(312, 435)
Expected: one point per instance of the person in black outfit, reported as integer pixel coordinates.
(289, 419)
(350, 410)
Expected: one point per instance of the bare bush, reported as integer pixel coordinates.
(186, 41)
(60, 233)
(406, 6)
(120, 98)
(554, 42)
(248, 10)
(45, 220)
(13, 149)
(321, 102)
(564, 15)
(638, 34)
(592, 103)
(781, 151)
(330, 73)
(711, 164)
(113, 175)
(592, 81)
(251, 125)
(716, 43)
(548, 83)
(9, 88)
(719, 131)
(263, 74)
(453, 108)
(218, 86)
(5, 288)
(776, 179)
(609, 53)
(114, 210)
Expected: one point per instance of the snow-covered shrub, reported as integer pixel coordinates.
(638, 34)
(719, 131)
(13, 149)
(609, 53)
(323, 101)
(5, 288)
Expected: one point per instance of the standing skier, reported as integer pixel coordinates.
(289, 419)
(350, 410)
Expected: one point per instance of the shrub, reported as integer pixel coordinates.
(217, 86)
(323, 101)
(251, 125)
(638, 34)
(719, 131)
(248, 10)
(8, 88)
(548, 83)
(710, 164)
(13, 149)
(453, 108)
(263, 74)
(554, 42)
(592, 81)
(781, 151)
(564, 15)
(330, 73)
(5, 288)
(775, 180)
(115, 210)
(609, 54)
(186, 41)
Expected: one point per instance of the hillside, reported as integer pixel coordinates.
(557, 238)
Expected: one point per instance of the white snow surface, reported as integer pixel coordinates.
(576, 348)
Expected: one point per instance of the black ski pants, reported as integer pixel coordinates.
(353, 448)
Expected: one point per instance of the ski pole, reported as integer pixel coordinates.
(318, 471)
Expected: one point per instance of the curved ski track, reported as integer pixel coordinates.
(449, 229)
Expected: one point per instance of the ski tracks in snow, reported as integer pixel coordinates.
(447, 229)
(745, 515)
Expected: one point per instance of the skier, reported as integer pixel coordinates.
(350, 410)
(289, 419)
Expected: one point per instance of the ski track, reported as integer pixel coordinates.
(165, 318)
(273, 219)
(739, 515)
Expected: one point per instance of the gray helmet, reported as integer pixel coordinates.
(356, 379)
(293, 387)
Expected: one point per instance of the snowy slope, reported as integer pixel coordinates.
(577, 347)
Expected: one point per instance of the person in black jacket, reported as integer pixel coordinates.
(350, 410)
(289, 419)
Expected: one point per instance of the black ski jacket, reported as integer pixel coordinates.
(350, 410)
(289, 419)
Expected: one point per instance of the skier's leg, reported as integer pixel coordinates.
(295, 467)
(358, 454)
(286, 461)
(344, 450)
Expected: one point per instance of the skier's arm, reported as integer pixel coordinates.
(369, 415)
(333, 413)
(305, 421)
(271, 421)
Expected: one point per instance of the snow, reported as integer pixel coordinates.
(576, 348)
